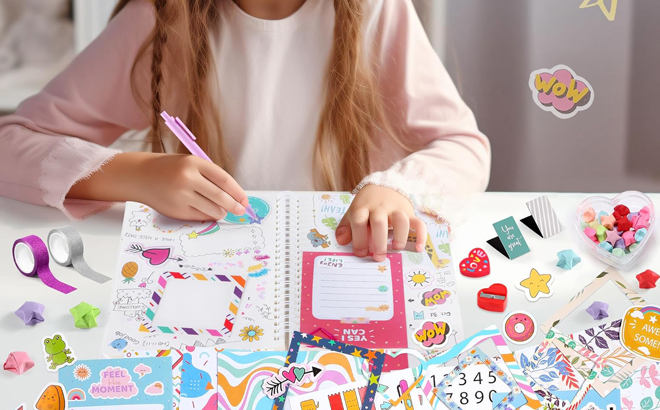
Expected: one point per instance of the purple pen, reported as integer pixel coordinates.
(184, 135)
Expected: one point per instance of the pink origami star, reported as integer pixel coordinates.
(612, 237)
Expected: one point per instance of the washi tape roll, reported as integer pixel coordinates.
(66, 248)
(31, 259)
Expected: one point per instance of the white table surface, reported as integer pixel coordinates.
(101, 236)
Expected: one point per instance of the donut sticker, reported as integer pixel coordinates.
(519, 327)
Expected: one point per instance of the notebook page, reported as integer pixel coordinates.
(195, 260)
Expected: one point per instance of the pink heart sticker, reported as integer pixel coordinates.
(156, 256)
(289, 375)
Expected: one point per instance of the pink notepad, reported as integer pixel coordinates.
(356, 300)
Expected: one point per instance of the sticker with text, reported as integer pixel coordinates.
(432, 335)
(640, 331)
(560, 91)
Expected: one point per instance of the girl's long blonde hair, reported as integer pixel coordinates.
(353, 109)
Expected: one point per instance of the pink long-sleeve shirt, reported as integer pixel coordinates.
(271, 76)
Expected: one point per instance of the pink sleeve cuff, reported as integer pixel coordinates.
(70, 161)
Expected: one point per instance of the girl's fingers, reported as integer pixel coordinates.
(209, 190)
(208, 207)
(378, 225)
(420, 229)
(223, 180)
(343, 232)
(401, 226)
(359, 219)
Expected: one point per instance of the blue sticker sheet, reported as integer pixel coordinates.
(145, 381)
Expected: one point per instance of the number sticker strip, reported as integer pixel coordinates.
(476, 356)
(493, 334)
(375, 360)
(157, 297)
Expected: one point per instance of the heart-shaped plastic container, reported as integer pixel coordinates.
(635, 201)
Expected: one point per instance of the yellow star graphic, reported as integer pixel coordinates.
(382, 268)
(536, 283)
(356, 353)
(316, 339)
(373, 379)
(193, 235)
(609, 13)
(370, 355)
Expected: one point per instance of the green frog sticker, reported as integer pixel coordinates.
(57, 353)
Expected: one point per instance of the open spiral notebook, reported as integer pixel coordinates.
(248, 284)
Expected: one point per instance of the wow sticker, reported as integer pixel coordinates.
(640, 331)
(560, 91)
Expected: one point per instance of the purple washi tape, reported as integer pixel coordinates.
(31, 258)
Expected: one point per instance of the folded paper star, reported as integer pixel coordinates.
(85, 315)
(567, 259)
(18, 362)
(647, 279)
(31, 313)
(598, 310)
(612, 237)
(536, 286)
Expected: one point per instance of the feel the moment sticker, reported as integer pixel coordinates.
(640, 331)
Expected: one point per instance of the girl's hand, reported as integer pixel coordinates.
(175, 185)
(373, 211)
(190, 188)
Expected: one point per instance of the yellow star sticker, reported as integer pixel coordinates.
(609, 13)
(316, 339)
(382, 268)
(536, 283)
(193, 235)
(370, 355)
(356, 353)
(373, 379)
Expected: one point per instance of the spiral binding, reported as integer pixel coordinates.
(288, 282)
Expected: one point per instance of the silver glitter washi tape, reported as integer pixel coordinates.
(66, 248)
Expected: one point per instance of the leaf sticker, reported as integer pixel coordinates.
(612, 334)
(601, 342)
(330, 223)
(589, 332)
(627, 383)
(608, 371)
(646, 403)
(346, 199)
(657, 393)
(415, 258)
(582, 339)
(444, 248)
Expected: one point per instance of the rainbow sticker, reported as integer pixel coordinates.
(237, 281)
(77, 395)
(640, 331)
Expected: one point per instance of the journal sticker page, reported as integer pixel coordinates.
(354, 299)
(183, 283)
(421, 286)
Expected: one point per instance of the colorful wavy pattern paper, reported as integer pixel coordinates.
(242, 373)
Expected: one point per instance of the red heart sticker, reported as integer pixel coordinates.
(476, 264)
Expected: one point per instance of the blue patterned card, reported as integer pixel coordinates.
(144, 381)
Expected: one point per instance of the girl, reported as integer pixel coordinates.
(281, 94)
